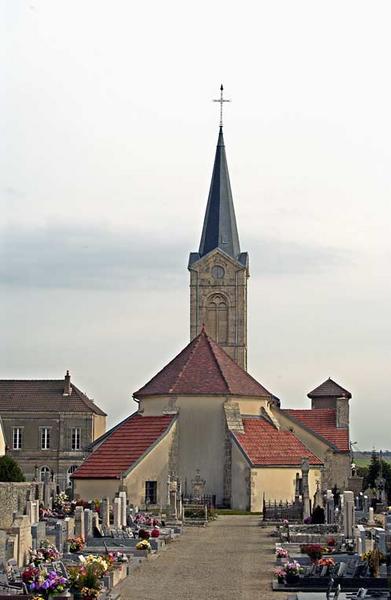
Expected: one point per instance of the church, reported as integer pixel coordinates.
(203, 419)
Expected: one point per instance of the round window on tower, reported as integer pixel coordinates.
(218, 272)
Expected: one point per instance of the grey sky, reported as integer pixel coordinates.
(106, 146)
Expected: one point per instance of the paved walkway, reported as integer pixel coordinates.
(232, 558)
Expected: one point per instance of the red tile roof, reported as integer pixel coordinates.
(329, 389)
(323, 422)
(203, 367)
(123, 447)
(265, 445)
(43, 395)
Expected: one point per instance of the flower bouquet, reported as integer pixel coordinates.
(86, 579)
(143, 545)
(292, 571)
(314, 551)
(76, 544)
(326, 562)
(43, 581)
(46, 553)
(143, 534)
(279, 572)
(374, 559)
(281, 552)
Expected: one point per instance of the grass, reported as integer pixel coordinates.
(363, 461)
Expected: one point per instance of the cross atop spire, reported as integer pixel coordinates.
(221, 100)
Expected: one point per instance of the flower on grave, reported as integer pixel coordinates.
(143, 545)
(100, 564)
(285, 523)
(121, 557)
(292, 568)
(307, 521)
(143, 534)
(331, 541)
(89, 593)
(60, 500)
(155, 532)
(76, 544)
(326, 562)
(38, 579)
(314, 551)
(281, 552)
(279, 573)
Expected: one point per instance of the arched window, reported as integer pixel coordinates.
(45, 472)
(71, 470)
(217, 318)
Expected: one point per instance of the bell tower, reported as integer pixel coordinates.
(219, 270)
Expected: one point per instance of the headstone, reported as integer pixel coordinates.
(371, 520)
(32, 512)
(69, 524)
(59, 536)
(348, 514)
(198, 486)
(3, 546)
(79, 522)
(88, 531)
(105, 513)
(38, 533)
(365, 506)
(305, 468)
(380, 536)
(117, 513)
(330, 507)
(361, 535)
(22, 528)
(122, 497)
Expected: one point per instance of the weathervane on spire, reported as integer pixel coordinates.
(221, 100)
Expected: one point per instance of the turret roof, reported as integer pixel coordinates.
(330, 389)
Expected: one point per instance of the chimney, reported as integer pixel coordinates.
(67, 385)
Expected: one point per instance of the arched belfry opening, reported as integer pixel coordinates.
(216, 318)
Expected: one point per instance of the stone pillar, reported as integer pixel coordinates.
(31, 510)
(117, 513)
(330, 508)
(371, 514)
(122, 497)
(348, 514)
(105, 513)
(69, 524)
(297, 489)
(59, 536)
(305, 468)
(87, 523)
(79, 522)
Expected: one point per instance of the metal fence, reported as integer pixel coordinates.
(280, 511)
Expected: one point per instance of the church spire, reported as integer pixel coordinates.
(220, 230)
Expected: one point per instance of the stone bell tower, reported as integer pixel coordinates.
(219, 270)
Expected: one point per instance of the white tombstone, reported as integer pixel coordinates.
(117, 513)
(371, 520)
(31, 510)
(122, 497)
(348, 514)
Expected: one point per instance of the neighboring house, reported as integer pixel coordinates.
(48, 426)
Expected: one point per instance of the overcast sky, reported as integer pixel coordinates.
(107, 140)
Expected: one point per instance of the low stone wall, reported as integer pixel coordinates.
(14, 497)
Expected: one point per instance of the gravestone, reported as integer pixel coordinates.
(330, 507)
(79, 522)
(122, 497)
(380, 537)
(22, 529)
(348, 514)
(371, 520)
(69, 524)
(105, 513)
(198, 487)
(365, 505)
(117, 513)
(32, 510)
(305, 468)
(361, 539)
(38, 533)
(59, 536)
(88, 531)
(3, 546)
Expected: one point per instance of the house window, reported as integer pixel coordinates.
(71, 470)
(45, 438)
(151, 492)
(45, 474)
(76, 438)
(17, 438)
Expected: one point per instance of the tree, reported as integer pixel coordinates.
(373, 469)
(10, 470)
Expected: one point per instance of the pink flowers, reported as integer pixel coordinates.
(282, 553)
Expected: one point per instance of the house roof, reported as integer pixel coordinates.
(265, 445)
(127, 444)
(43, 395)
(329, 388)
(323, 422)
(203, 367)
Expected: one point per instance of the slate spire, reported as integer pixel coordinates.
(220, 230)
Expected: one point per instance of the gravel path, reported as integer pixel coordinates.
(231, 558)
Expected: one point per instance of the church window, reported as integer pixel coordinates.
(217, 319)
(45, 473)
(218, 272)
(150, 492)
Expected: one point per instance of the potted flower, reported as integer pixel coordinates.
(280, 574)
(292, 571)
(46, 583)
(46, 553)
(314, 551)
(143, 545)
(281, 552)
(374, 559)
(76, 544)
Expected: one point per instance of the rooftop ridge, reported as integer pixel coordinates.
(209, 339)
(191, 354)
